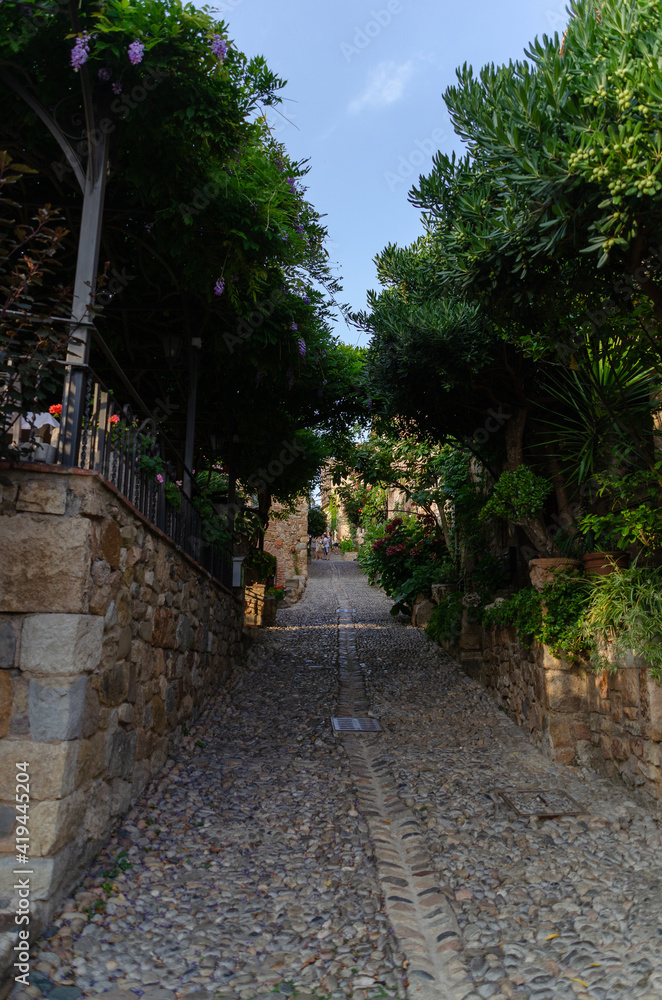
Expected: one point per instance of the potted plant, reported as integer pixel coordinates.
(601, 555)
(348, 549)
(272, 598)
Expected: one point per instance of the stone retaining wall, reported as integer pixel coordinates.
(110, 640)
(611, 722)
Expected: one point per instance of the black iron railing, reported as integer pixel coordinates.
(130, 451)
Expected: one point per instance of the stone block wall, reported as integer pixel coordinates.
(110, 640)
(258, 608)
(611, 721)
(288, 541)
(625, 726)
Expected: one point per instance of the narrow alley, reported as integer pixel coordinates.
(274, 856)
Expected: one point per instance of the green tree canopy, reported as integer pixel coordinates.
(207, 234)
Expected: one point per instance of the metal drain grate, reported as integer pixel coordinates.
(320, 666)
(537, 802)
(345, 611)
(348, 724)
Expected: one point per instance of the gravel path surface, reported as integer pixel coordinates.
(248, 868)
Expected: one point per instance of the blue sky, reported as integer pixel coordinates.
(363, 102)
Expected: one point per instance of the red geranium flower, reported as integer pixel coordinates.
(55, 409)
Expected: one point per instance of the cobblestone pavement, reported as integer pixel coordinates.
(274, 856)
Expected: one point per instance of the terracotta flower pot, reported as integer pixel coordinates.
(604, 563)
(544, 571)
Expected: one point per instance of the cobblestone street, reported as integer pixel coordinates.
(272, 855)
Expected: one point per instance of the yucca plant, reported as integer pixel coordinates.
(603, 410)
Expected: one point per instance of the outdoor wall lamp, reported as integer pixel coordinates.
(237, 571)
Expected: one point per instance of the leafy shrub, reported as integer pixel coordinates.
(523, 611)
(517, 496)
(635, 513)
(489, 573)
(445, 622)
(408, 556)
(420, 582)
(263, 563)
(553, 617)
(573, 616)
(347, 545)
(565, 602)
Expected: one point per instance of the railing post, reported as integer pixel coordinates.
(160, 506)
(194, 374)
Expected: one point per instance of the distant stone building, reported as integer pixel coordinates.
(288, 541)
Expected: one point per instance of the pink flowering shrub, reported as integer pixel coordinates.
(407, 555)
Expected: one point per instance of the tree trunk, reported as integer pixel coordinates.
(566, 517)
(537, 531)
(515, 440)
(263, 508)
(445, 526)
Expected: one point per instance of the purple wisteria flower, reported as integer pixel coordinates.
(306, 299)
(136, 52)
(218, 47)
(292, 184)
(104, 74)
(299, 229)
(80, 51)
(117, 88)
(294, 327)
(302, 346)
(219, 287)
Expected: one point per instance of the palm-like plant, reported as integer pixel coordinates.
(602, 411)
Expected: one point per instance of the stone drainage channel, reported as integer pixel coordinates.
(420, 914)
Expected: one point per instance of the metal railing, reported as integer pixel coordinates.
(136, 457)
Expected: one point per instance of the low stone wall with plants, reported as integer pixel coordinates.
(111, 640)
(610, 721)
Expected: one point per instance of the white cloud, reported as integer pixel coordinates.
(386, 85)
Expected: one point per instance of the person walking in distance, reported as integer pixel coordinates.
(326, 542)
